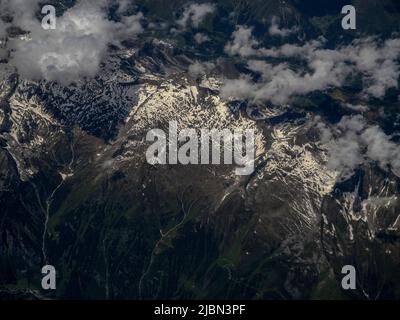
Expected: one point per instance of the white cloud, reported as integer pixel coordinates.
(279, 83)
(3, 29)
(198, 69)
(123, 6)
(275, 30)
(378, 63)
(23, 11)
(131, 26)
(201, 38)
(325, 68)
(75, 48)
(353, 142)
(243, 43)
(358, 107)
(195, 14)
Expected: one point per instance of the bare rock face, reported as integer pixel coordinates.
(360, 227)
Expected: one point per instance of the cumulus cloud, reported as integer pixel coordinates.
(279, 82)
(123, 5)
(3, 42)
(199, 69)
(130, 26)
(356, 107)
(75, 48)
(3, 29)
(353, 142)
(195, 14)
(276, 30)
(243, 44)
(201, 38)
(377, 62)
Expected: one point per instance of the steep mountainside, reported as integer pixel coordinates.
(77, 192)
